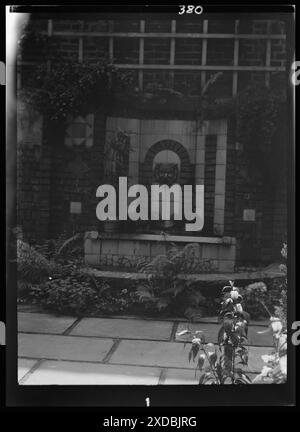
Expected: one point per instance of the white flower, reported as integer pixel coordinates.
(234, 294)
(276, 324)
(238, 307)
(268, 358)
(210, 347)
(229, 300)
(283, 364)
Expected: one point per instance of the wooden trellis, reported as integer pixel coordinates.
(173, 36)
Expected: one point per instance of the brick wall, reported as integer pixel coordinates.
(76, 174)
(229, 225)
(47, 184)
(33, 191)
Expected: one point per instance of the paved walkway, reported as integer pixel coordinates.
(94, 351)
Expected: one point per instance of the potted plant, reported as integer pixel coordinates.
(116, 165)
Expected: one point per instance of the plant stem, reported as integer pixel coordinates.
(267, 310)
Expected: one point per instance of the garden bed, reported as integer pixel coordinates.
(168, 286)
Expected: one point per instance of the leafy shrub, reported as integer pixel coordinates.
(263, 302)
(67, 296)
(226, 364)
(257, 298)
(275, 369)
(80, 293)
(75, 291)
(115, 300)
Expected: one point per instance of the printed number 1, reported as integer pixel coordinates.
(147, 402)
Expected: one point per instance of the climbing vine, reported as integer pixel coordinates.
(74, 87)
(258, 111)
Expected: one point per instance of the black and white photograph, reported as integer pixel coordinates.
(150, 221)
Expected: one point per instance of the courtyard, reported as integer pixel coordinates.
(128, 129)
(117, 350)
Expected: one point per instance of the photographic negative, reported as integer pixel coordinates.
(152, 186)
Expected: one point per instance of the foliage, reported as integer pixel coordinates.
(261, 301)
(258, 109)
(79, 293)
(73, 88)
(73, 294)
(62, 248)
(51, 260)
(32, 42)
(115, 300)
(164, 286)
(227, 363)
(157, 92)
(59, 290)
(32, 266)
(275, 369)
(281, 309)
(53, 276)
(257, 299)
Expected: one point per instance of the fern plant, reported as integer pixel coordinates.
(51, 260)
(32, 265)
(63, 247)
(164, 285)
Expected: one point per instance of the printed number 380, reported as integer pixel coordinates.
(189, 9)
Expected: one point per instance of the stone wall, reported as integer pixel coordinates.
(112, 250)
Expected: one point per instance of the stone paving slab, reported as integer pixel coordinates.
(180, 377)
(211, 333)
(171, 354)
(75, 373)
(24, 366)
(43, 323)
(123, 328)
(255, 338)
(255, 362)
(63, 347)
(150, 353)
